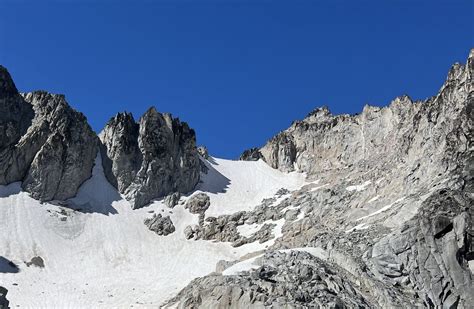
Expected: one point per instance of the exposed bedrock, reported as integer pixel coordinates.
(151, 158)
(283, 280)
(44, 143)
(389, 207)
(423, 137)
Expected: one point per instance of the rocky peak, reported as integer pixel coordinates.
(47, 145)
(320, 112)
(151, 158)
(7, 86)
(378, 136)
(15, 114)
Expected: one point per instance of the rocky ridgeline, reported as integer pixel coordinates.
(151, 158)
(51, 148)
(390, 206)
(422, 137)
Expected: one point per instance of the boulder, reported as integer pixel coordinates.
(160, 225)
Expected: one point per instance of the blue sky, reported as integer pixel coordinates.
(237, 71)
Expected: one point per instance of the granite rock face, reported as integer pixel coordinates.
(151, 158)
(405, 132)
(432, 250)
(388, 209)
(44, 143)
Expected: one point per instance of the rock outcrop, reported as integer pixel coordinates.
(198, 203)
(203, 152)
(421, 135)
(160, 225)
(283, 280)
(151, 158)
(4, 303)
(172, 199)
(43, 142)
(252, 154)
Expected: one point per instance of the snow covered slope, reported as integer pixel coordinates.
(102, 255)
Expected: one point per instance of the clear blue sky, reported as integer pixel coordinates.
(237, 71)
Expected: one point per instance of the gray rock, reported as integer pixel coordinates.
(405, 132)
(150, 159)
(252, 154)
(121, 155)
(15, 115)
(4, 303)
(36, 261)
(432, 254)
(284, 280)
(46, 144)
(202, 150)
(172, 199)
(160, 225)
(223, 265)
(198, 203)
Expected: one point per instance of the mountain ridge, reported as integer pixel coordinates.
(383, 217)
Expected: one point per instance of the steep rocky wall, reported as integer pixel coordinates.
(151, 158)
(45, 143)
(51, 148)
(416, 134)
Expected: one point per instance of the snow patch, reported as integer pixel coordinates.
(241, 185)
(381, 209)
(248, 230)
(362, 226)
(359, 187)
(102, 255)
(374, 199)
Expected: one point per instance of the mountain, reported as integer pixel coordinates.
(367, 210)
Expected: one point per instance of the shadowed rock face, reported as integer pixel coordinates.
(3, 298)
(151, 158)
(44, 143)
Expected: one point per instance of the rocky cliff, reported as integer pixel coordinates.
(51, 148)
(389, 210)
(44, 143)
(151, 158)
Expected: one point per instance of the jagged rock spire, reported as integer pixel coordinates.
(151, 158)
